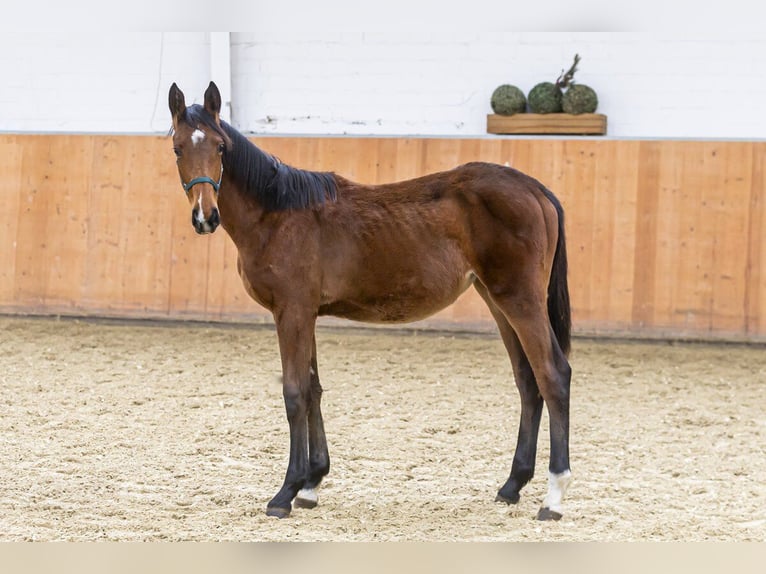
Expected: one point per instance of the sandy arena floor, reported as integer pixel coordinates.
(138, 431)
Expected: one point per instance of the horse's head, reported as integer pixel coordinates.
(199, 143)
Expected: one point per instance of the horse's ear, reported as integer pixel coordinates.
(177, 103)
(213, 101)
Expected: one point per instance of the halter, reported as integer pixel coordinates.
(204, 179)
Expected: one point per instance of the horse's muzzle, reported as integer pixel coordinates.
(204, 225)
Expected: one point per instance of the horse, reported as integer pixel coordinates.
(313, 243)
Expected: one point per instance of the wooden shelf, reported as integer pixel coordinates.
(577, 124)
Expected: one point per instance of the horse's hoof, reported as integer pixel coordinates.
(547, 514)
(277, 512)
(513, 499)
(306, 498)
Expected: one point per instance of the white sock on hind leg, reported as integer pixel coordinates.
(308, 494)
(557, 488)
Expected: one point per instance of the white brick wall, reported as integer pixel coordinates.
(392, 76)
(97, 81)
(384, 83)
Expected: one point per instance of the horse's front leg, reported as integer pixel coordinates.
(295, 331)
(319, 457)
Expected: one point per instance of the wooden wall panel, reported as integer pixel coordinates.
(32, 251)
(103, 281)
(755, 269)
(65, 186)
(10, 178)
(146, 280)
(665, 238)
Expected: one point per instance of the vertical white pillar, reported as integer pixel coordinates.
(220, 69)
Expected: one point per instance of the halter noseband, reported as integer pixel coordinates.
(204, 179)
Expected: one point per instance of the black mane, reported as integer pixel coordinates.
(275, 185)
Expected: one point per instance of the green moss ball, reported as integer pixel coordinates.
(579, 99)
(545, 98)
(508, 100)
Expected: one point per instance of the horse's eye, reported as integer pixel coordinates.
(221, 147)
(177, 151)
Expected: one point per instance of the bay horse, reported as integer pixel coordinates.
(314, 243)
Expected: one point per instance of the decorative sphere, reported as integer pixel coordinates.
(579, 99)
(508, 100)
(545, 98)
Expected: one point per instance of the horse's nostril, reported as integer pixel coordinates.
(202, 225)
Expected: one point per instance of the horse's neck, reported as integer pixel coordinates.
(240, 213)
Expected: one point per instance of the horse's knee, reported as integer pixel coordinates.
(296, 403)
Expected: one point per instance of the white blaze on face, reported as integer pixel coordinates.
(200, 215)
(197, 136)
(557, 488)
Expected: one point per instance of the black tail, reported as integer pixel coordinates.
(558, 287)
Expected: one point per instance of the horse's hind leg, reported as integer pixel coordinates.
(527, 315)
(553, 375)
(319, 457)
(523, 467)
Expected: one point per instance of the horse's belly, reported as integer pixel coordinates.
(403, 301)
